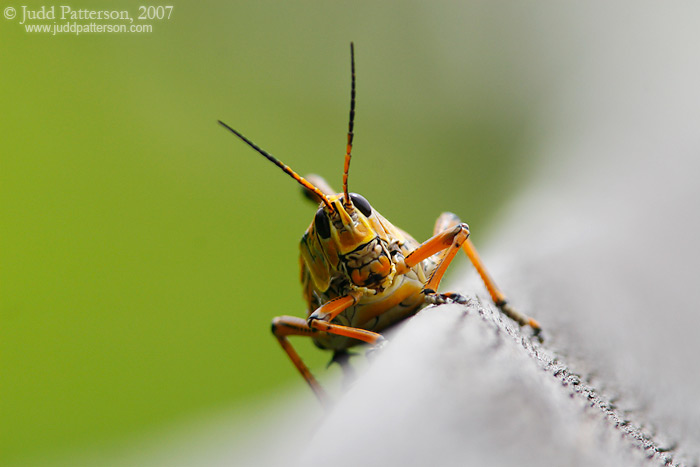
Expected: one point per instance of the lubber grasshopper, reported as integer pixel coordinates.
(360, 274)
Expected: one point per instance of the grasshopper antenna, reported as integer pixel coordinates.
(305, 183)
(348, 149)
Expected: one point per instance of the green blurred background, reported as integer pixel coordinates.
(145, 249)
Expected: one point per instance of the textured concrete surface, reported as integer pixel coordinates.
(464, 387)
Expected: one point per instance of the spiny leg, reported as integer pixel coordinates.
(284, 326)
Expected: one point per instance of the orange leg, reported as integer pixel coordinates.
(450, 234)
(332, 308)
(318, 324)
(446, 242)
(347, 331)
(284, 326)
(496, 295)
(322, 317)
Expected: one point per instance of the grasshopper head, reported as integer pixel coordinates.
(349, 240)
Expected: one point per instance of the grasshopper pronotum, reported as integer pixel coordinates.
(361, 274)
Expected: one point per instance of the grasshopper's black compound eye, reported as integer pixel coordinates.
(323, 225)
(361, 204)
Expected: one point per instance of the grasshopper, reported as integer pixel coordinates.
(361, 274)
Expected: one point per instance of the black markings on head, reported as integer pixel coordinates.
(361, 204)
(323, 226)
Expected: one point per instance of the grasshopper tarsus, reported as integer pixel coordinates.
(442, 298)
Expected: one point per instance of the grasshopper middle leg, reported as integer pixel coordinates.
(450, 234)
